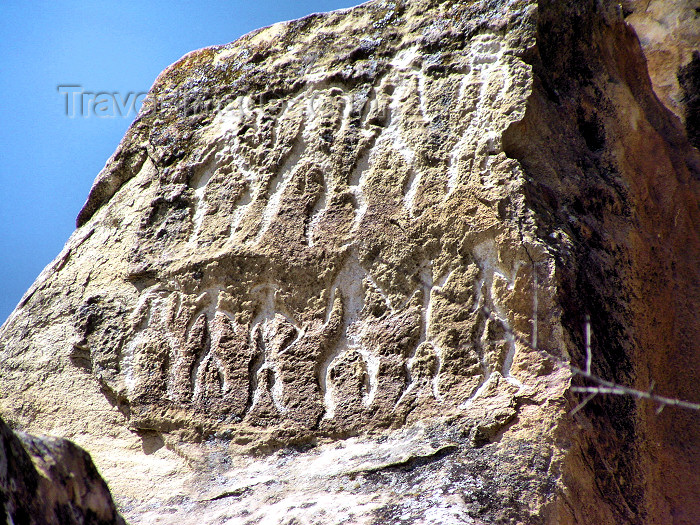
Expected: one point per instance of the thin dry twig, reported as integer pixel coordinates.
(602, 386)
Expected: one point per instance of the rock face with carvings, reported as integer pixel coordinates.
(335, 271)
(318, 260)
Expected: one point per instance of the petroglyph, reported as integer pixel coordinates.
(480, 93)
(366, 355)
(329, 291)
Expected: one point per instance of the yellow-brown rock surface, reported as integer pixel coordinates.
(307, 285)
(669, 35)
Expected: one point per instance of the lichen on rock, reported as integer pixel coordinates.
(381, 229)
(320, 235)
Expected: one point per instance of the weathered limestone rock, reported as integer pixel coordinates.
(308, 283)
(50, 481)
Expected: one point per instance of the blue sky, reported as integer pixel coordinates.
(47, 160)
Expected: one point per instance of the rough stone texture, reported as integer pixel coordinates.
(50, 481)
(668, 32)
(306, 285)
(613, 174)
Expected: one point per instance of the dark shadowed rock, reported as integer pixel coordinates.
(50, 481)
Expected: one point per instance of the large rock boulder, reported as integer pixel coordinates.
(337, 270)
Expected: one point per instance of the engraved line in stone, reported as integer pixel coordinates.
(143, 320)
(358, 178)
(349, 283)
(264, 330)
(486, 255)
(200, 207)
(316, 214)
(278, 184)
(484, 65)
(359, 174)
(428, 313)
(392, 133)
